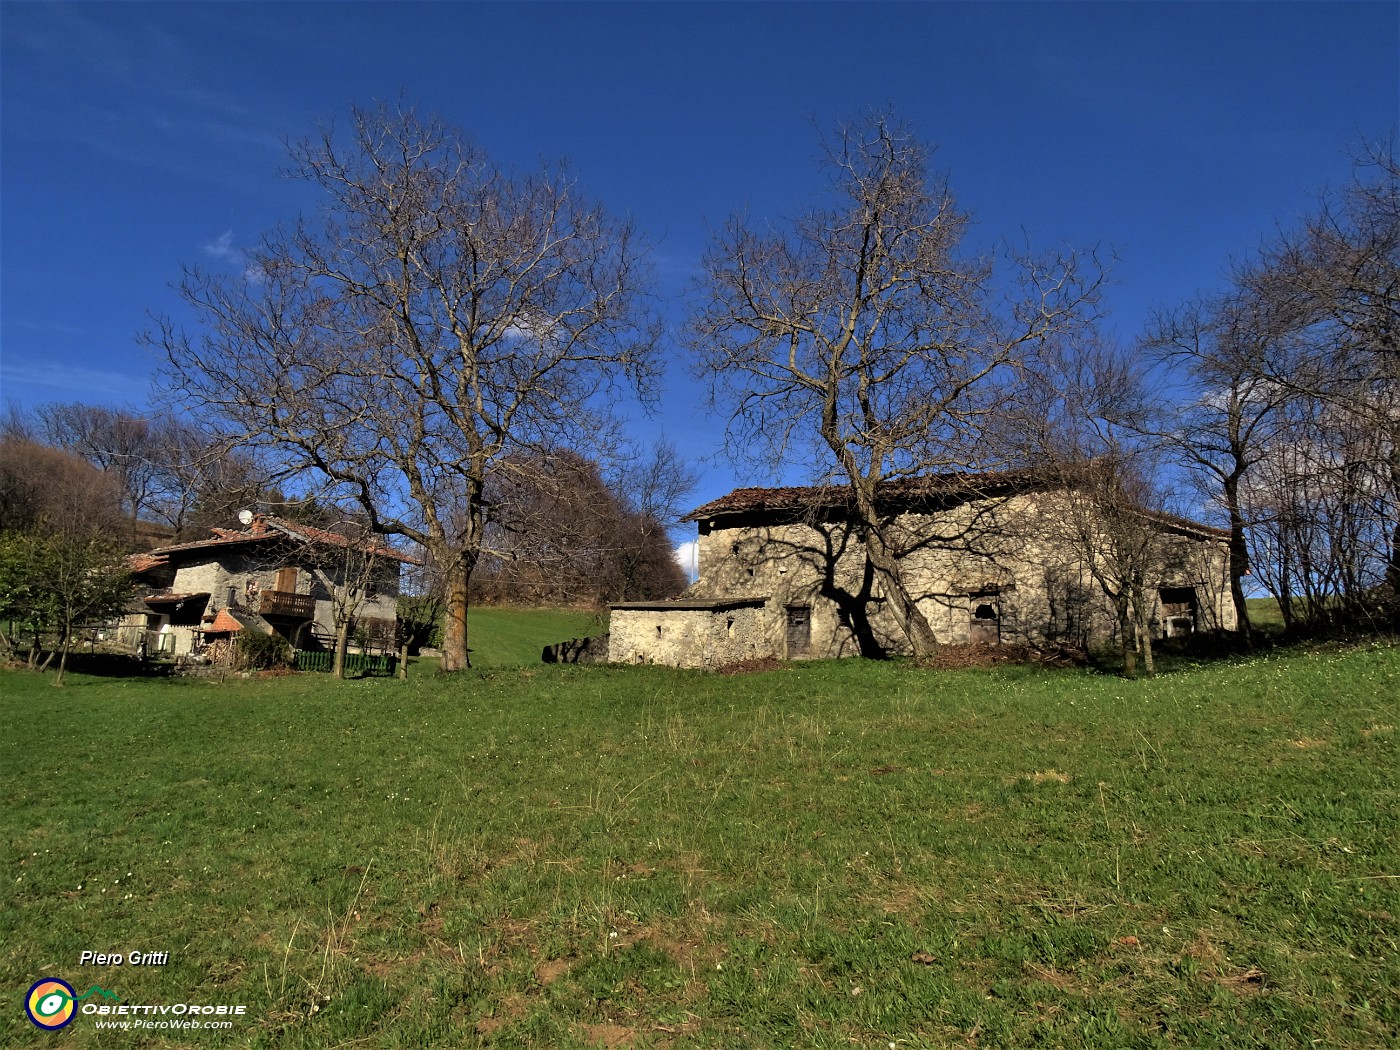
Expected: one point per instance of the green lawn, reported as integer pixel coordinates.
(503, 636)
(829, 855)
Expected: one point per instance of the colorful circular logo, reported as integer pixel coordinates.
(51, 1004)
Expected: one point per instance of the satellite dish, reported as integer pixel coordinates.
(246, 517)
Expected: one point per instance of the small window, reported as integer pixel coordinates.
(729, 626)
(658, 630)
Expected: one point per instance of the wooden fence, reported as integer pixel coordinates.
(355, 663)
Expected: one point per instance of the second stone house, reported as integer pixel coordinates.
(990, 558)
(272, 576)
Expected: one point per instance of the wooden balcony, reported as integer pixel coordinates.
(287, 604)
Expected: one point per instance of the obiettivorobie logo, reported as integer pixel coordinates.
(51, 1004)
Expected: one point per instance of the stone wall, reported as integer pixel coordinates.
(688, 634)
(1012, 557)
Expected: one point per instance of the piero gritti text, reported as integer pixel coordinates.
(118, 959)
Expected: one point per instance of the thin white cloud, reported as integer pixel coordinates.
(222, 247)
(688, 558)
(32, 382)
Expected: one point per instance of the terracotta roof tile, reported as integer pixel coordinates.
(225, 621)
(263, 528)
(831, 497)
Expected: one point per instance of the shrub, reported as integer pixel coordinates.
(263, 652)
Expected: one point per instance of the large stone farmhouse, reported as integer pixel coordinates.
(991, 558)
(274, 576)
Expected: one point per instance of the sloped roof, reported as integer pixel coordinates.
(912, 492)
(224, 622)
(264, 528)
(898, 492)
(173, 597)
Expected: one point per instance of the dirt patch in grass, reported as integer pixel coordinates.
(608, 1035)
(758, 665)
(961, 657)
(1047, 776)
(510, 1010)
(1250, 981)
(550, 971)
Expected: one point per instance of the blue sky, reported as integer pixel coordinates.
(137, 137)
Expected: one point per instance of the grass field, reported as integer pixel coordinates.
(833, 854)
(502, 636)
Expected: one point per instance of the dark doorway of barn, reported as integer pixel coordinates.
(1178, 611)
(799, 630)
(984, 624)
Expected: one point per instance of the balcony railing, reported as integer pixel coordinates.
(287, 604)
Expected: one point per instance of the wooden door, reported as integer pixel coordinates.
(799, 629)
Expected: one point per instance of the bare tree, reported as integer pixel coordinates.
(652, 487)
(1295, 420)
(561, 533)
(1336, 281)
(1233, 413)
(125, 445)
(61, 566)
(350, 565)
(438, 316)
(862, 338)
(41, 484)
(1090, 423)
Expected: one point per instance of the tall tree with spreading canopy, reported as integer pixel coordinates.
(862, 336)
(438, 316)
(1335, 283)
(1232, 415)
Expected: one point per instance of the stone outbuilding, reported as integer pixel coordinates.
(990, 558)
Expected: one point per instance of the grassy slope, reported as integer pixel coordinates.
(828, 855)
(501, 636)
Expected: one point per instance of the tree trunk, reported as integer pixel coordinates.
(1128, 639)
(911, 620)
(1392, 568)
(1239, 560)
(403, 659)
(1144, 640)
(342, 646)
(455, 655)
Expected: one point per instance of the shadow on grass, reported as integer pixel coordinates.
(118, 665)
